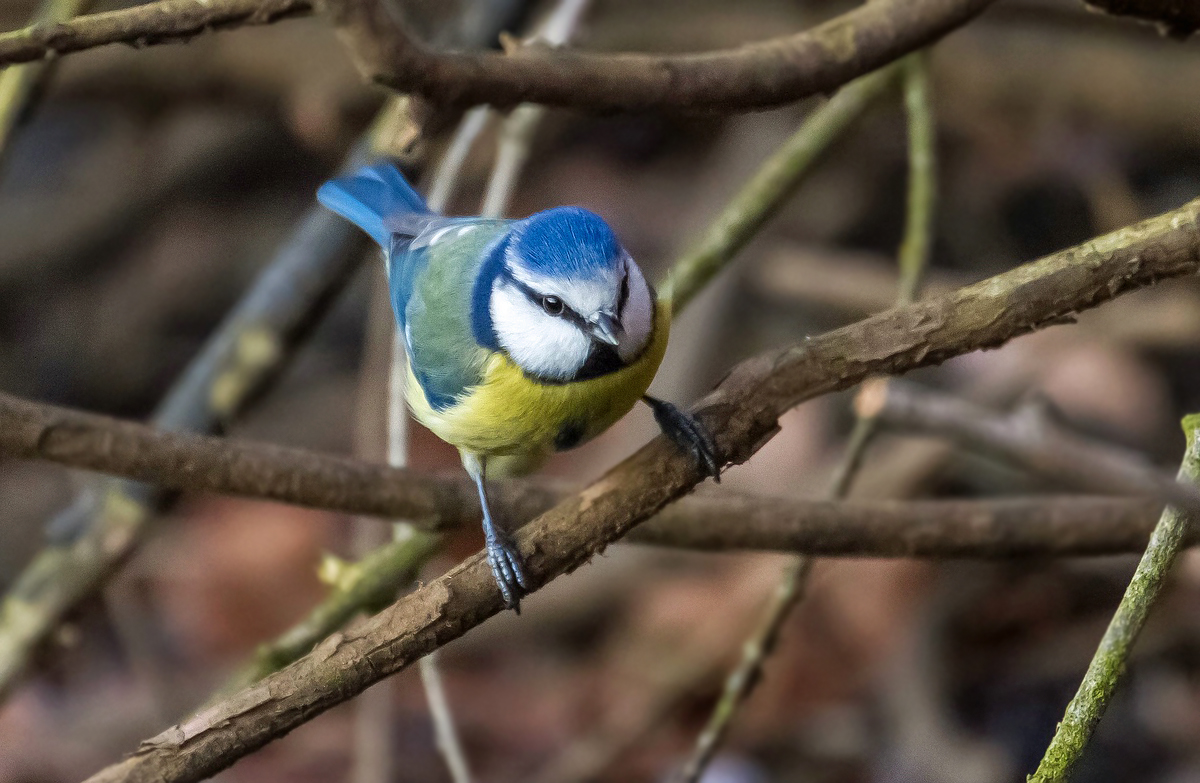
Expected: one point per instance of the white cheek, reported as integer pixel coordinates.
(540, 344)
(637, 319)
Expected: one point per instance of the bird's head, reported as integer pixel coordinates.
(569, 303)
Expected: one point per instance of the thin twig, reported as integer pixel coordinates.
(445, 730)
(1029, 437)
(510, 162)
(761, 197)
(407, 534)
(1109, 663)
(917, 244)
(913, 259)
(742, 413)
(516, 134)
(473, 123)
(757, 76)
(19, 85)
(158, 22)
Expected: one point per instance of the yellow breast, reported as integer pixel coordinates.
(511, 415)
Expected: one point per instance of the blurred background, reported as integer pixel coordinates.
(148, 188)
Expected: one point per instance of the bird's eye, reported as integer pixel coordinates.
(552, 305)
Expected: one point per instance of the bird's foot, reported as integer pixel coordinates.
(505, 561)
(688, 434)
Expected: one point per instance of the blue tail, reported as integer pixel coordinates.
(371, 196)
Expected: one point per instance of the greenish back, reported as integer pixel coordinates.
(433, 284)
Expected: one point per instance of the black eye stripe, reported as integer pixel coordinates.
(624, 295)
(536, 299)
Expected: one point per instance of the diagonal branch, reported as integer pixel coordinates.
(153, 23)
(742, 413)
(756, 76)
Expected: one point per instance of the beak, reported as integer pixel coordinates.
(606, 328)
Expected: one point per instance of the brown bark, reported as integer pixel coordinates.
(144, 25)
(755, 76)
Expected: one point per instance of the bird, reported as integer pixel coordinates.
(522, 337)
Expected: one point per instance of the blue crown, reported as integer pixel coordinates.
(567, 242)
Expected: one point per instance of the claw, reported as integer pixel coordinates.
(502, 554)
(688, 434)
(506, 568)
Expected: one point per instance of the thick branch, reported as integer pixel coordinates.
(187, 461)
(742, 413)
(756, 76)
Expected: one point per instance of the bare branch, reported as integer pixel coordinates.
(756, 76)
(245, 354)
(1028, 437)
(742, 413)
(19, 85)
(441, 502)
(144, 25)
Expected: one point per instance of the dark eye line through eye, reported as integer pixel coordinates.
(624, 295)
(553, 305)
(538, 299)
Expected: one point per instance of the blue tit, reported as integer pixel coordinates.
(523, 337)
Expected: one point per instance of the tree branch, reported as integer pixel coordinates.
(793, 582)
(443, 502)
(742, 413)
(1112, 656)
(240, 360)
(1028, 437)
(19, 86)
(159, 22)
(756, 76)
(766, 192)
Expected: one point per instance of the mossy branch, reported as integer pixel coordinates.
(769, 188)
(1109, 663)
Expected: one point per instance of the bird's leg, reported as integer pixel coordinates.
(687, 433)
(501, 549)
